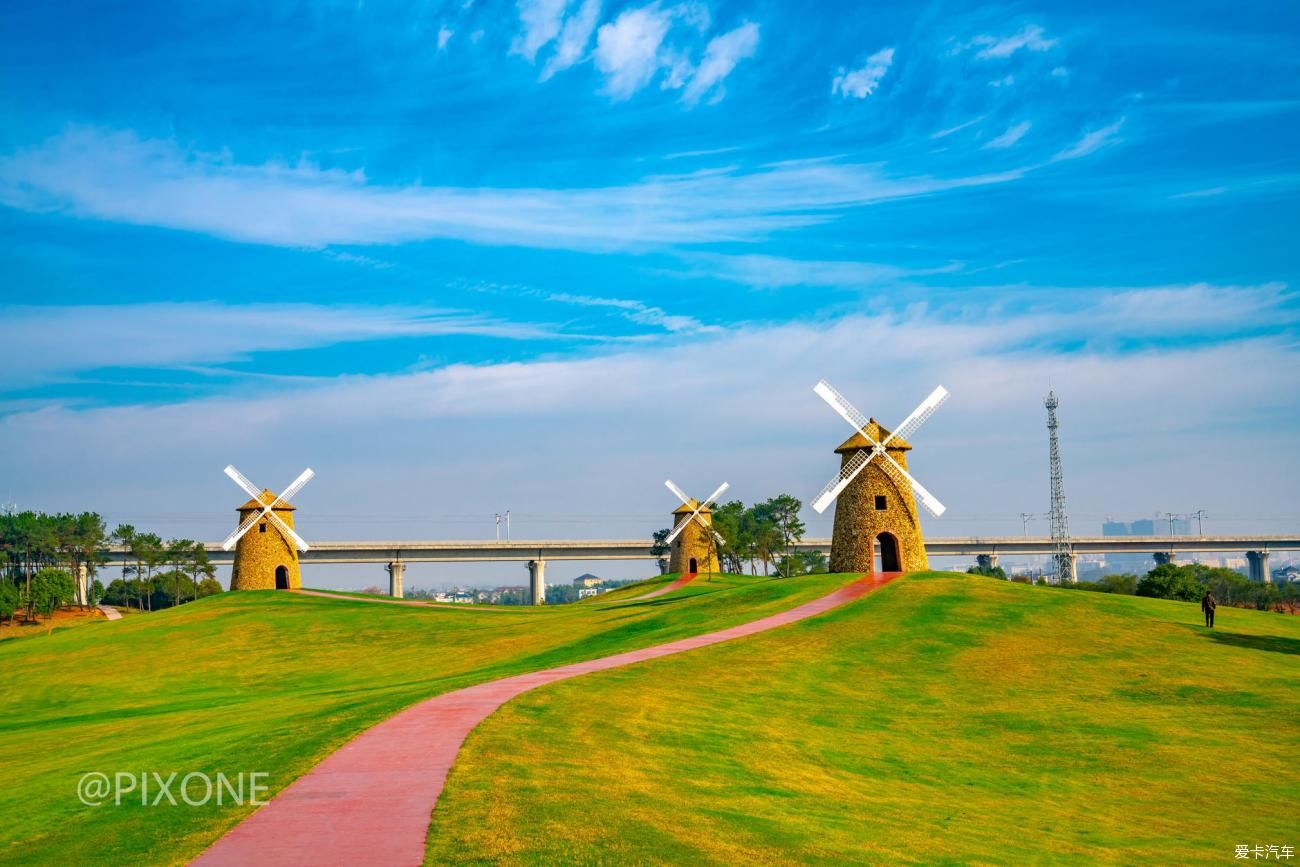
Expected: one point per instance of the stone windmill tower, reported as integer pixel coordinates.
(264, 558)
(874, 491)
(876, 507)
(694, 549)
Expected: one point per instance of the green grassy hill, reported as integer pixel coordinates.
(943, 719)
(273, 682)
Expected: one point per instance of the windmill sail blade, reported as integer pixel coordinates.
(681, 495)
(241, 480)
(919, 415)
(929, 500)
(713, 497)
(297, 485)
(240, 531)
(848, 473)
(838, 403)
(288, 531)
(677, 531)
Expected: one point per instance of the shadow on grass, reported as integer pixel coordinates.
(1274, 643)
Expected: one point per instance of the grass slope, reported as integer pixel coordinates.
(273, 682)
(942, 719)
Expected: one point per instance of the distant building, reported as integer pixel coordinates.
(584, 592)
(587, 580)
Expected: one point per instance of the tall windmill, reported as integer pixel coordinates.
(266, 560)
(873, 493)
(696, 549)
(1061, 552)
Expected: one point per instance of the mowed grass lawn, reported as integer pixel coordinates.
(941, 720)
(272, 682)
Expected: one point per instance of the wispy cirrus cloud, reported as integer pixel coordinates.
(1031, 37)
(114, 175)
(1091, 142)
(639, 312)
(862, 82)
(1013, 134)
(165, 335)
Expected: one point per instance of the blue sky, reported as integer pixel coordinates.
(469, 256)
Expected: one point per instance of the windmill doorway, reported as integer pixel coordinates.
(888, 558)
(694, 566)
(281, 578)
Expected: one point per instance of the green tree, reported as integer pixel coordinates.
(1171, 581)
(782, 511)
(9, 600)
(988, 571)
(51, 589)
(660, 549)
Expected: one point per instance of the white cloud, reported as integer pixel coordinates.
(195, 333)
(861, 83)
(639, 312)
(1091, 142)
(118, 176)
(720, 58)
(444, 36)
(573, 39)
(1030, 37)
(1004, 81)
(628, 49)
(944, 133)
(540, 22)
(603, 430)
(776, 272)
(1013, 134)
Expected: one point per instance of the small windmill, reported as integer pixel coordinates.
(695, 526)
(879, 505)
(265, 561)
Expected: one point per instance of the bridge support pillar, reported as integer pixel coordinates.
(80, 585)
(1074, 569)
(537, 582)
(1258, 562)
(395, 571)
(1162, 557)
(987, 561)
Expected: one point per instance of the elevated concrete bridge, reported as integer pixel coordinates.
(535, 552)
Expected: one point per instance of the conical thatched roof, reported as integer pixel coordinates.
(878, 433)
(267, 497)
(689, 506)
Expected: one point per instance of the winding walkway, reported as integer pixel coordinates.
(687, 578)
(370, 802)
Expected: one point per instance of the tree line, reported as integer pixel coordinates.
(1189, 582)
(40, 554)
(759, 536)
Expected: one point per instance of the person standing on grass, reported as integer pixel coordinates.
(1208, 604)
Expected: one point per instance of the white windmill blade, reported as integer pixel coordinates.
(241, 480)
(677, 531)
(713, 497)
(919, 415)
(929, 500)
(240, 531)
(848, 473)
(681, 495)
(297, 540)
(841, 405)
(296, 486)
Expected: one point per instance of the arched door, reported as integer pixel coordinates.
(281, 578)
(891, 558)
(694, 566)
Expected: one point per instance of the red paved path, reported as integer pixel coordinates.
(686, 578)
(370, 802)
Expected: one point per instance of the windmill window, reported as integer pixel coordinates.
(261, 528)
(880, 503)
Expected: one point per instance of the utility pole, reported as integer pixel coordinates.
(1025, 518)
(507, 525)
(1060, 521)
(1199, 515)
(498, 526)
